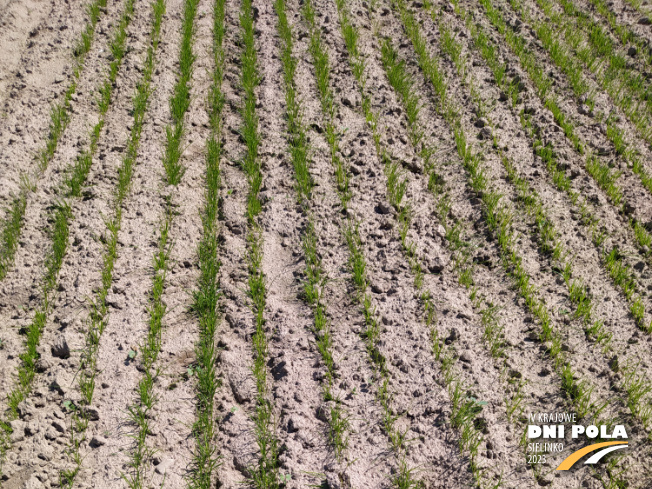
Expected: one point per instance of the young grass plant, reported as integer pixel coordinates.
(98, 315)
(499, 220)
(464, 410)
(61, 218)
(206, 297)
(266, 473)
(604, 176)
(180, 101)
(578, 293)
(543, 83)
(11, 226)
(139, 413)
(613, 80)
(404, 475)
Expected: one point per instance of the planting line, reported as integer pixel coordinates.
(337, 418)
(139, 412)
(266, 473)
(98, 315)
(206, 297)
(621, 31)
(602, 174)
(11, 225)
(570, 65)
(550, 245)
(405, 475)
(499, 221)
(62, 217)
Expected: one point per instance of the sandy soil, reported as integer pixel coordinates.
(38, 37)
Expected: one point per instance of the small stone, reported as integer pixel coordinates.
(377, 288)
(632, 51)
(46, 452)
(33, 483)
(43, 365)
(383, 208)
(240, 462)
(32, 428)
(453, 336)
(464, 357)
(97, 441)
(639, 266)
(60, 347)
(485, 133)
(18, 430)
(502, 97)
(644, 21)
(294, 424)
(481, 122)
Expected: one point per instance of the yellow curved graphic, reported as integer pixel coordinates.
(575, 456)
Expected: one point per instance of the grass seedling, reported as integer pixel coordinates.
(98, 313)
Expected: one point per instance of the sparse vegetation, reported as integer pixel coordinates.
(98, 313)
(423, 222)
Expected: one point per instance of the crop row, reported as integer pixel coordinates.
(140, 411)
(11, 226)
(98, 313)
(61, 217)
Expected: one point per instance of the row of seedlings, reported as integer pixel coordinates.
(594, 58)
(60, 113)
(499, 220)
(140, 411)
(98, 315)
(578, 292)
(61, 218)
(464, 410)
(338, 423)
(266, 474)
(551, 246)
(206, 297)
(612, 258)
(403, 84)
(623, 32)
(634, 385)
(603, 174)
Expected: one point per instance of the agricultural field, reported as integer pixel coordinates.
(324, 243)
